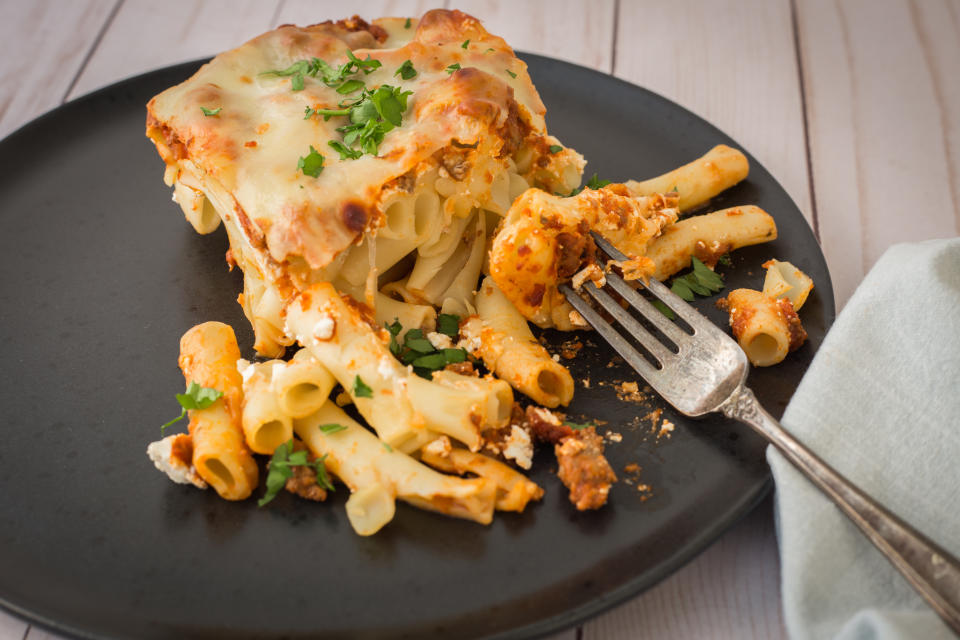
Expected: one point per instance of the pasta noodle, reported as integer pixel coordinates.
(376, 474)
(514, 491)
(766, 328)
(208, 356)
(501, 337)
(265, 425)
(708, 237)
(697, 182)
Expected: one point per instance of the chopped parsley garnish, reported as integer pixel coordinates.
(211, 112)
(555, 148)
(311, 164)
(701, 281)
(593, 183)
(308, 113)
(418, 351)
(361, 389)
(512, 74)
(577, 425)
(196, 397)
(454, 67)
(388, 447)
(466, 43)
(350, 86)
(332, 427)
(331, 77)
(725, 260)
(406, 71)
(284, 457)
(346, 153)
(371, 116)
(489, 50)
(406, 25)
(449, 324)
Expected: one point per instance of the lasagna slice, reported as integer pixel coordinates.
(376, 156)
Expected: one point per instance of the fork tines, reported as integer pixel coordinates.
(670, 353)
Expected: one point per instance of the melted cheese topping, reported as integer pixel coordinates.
(247, 154)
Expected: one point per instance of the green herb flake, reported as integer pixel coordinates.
(512, 74)
(332, 428)
(388, 447)
(596, 183)
(211, 112)
(432, 361)
(489, 50)
(361, 389)
(725, 260)
(296, 82)
(448, 324)
(308, 113)
(406, 25)
(196, 397)
(555, 148)
(701, 281)
(466, 43)
(454, 67)
(420, 345)
(311, 164)
(577, 426)
(284, 457)
(406, 71)
(453, 356)
(664, 309)
(346, 153)
(350, 86)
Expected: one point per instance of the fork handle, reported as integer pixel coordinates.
(931, 570)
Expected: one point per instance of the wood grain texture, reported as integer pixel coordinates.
(12, 628)
(145, 35)
(883, 110)
(304, 12)
(579, 32)
(731, 590)
(46, 46)
(734, 64)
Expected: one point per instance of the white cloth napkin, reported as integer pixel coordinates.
(881, 404)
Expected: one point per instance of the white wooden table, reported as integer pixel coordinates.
(854, 106)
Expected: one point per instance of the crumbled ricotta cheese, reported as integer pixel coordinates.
(592, 273)
(576, 319)
(325, 327)
(175, 469)
(440, 447)
(547, 416)
(440, 340)
(386, 367)
(519, 447)
(246, 369)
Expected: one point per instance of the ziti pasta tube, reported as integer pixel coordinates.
(376, 474)
(502, 338)
(697, 182)
(208, 356)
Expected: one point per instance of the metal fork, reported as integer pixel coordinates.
(707, 372)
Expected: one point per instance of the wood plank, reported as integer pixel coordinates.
(47, 43)
(732, 590)
(304, 12)
(734, 64)
(584, 35)
(883, 107)
(146, 35)
(12, 628)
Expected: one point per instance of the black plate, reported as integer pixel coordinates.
(101, 276)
